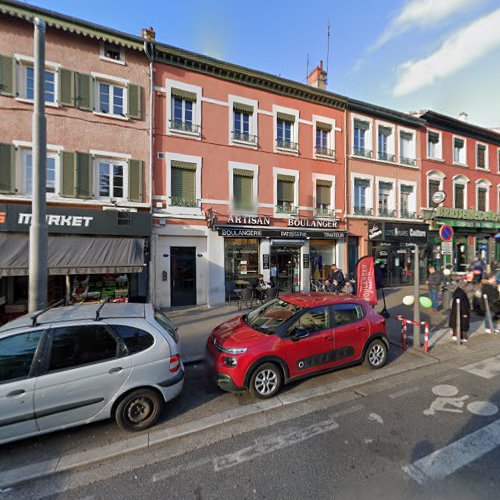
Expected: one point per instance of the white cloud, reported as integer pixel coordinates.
(422, 14)
(458, 51)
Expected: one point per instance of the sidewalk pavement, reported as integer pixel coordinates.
(196, 323)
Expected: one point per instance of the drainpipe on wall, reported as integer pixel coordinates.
(346, 195)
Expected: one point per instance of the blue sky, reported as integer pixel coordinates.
(405, 54)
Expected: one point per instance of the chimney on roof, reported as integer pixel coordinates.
(463, 116)
(317, 77)
(148, 34)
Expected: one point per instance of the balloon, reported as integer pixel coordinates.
(409, 300)
(425, 302)
(446, 272)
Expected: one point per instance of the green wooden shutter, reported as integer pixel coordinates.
(135, 101)
(84, 175)
(7, 169)
(183, 179)
(68, 178)
(135, 169)
(286, 185)
(243, 188)
(481, 156)
(7, 81)
(66, 87)
(85, 91)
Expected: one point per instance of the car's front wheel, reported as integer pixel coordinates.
(376, 354)
(139, 410)
(265, 381)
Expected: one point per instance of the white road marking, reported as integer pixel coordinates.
(445, 390)
(487, 368)
(161, 476)
(445, 461)
(482, 408)
(403, 392)
(368, 441)
(376, 417)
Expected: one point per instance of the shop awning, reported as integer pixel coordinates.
(74, 255)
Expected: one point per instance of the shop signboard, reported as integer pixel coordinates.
(66, 220)
(414, 233)
(319, 223)
(249, 221)
(266, 259)
(446, 247)
(237, 232)
(465, 218)
(365, 280)
(305, 259)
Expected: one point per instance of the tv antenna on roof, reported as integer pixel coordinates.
(307, 67)
(327, 46)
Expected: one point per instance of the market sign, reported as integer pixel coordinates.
(464, 214)
(65, 220)
(394, 231)
(237, 232)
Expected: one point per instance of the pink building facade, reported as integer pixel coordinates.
(249, 175)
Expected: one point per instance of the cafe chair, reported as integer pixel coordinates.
(272, 293)
(246, 297)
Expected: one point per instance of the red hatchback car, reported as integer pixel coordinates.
(292, 337)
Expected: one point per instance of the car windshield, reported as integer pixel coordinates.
(166, 325)
(270, 316)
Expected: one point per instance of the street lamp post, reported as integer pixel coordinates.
(416, 304)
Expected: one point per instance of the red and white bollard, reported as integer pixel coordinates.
(426, 336)
(403, 331)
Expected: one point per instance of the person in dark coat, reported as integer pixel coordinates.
(459, 293)
(336, 279)
(489, 288)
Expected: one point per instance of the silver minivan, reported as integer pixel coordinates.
(73, 365)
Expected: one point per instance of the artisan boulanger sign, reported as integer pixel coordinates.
(249, 220)
(236, 232)
(65, 220)
(292, 222)
(322, 223)
(464, 214)
(393, 231)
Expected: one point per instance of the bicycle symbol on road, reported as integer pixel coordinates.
(448, 401)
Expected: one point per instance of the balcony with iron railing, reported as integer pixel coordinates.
(328, 153)
(386, 212)
(286, 208)
(324, 212)
(365, 153)
(363, 211)
(384, 156)
(178, 201)
(289, 145)
(404, 160)
(244, 137)
(406, 214)
(183, 126)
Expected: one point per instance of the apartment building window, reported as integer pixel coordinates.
(27, 83)
(384, 144)
(361, 139)
(407, 148)
(285, 132)
(184, 109)
(243, 123)
(459, 154)
(434, 145)
(52, 164)
(243, 185)
(482, 156)
(285, 194)
(434, 185)
(323, 140)
(111, 179)
(407, 197)
(385, 195)
(183, 184)
(361, 197)
(482, 195)
(323, 197)
(112, 52)
(459, 194)
(111, 98)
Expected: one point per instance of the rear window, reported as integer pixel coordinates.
(135, 339)
(166, 325)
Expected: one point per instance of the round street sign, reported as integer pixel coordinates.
(446, 232)
(438, 197)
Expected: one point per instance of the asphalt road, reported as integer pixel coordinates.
(433, 434)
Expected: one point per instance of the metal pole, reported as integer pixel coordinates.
(459, 323)
(38, 229)
(416, 305)
(488, 313)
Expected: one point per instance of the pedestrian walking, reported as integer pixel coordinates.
(434, 282)
(336, 279)
(489, 288)
(477, 268)
(460, 295)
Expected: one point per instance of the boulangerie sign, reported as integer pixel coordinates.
(365, 280)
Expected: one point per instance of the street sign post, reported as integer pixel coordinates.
(446, 232)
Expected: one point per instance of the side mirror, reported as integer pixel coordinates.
(300, 333)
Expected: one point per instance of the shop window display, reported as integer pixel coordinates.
(96, 287)
(241, 263)
(321, 258)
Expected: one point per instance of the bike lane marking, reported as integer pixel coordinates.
(445, 461)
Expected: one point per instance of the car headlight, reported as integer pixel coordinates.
(235, 350)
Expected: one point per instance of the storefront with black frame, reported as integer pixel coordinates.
(92, 255)
(393, 246)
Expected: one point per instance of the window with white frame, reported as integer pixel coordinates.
(361, 138)
(243, 126)
(112, 178)
(285, 131)
(407, 149)
(385, 143)
(482, 156)
(111, 98)
(183, 111)
(386, 199)
(52, 165)
(243, 190)
(434, 183)
(407, 201)
(183, 184)
(27, 83)
(323, 197)
(362, 196)
(434, 146)
(459, 151)
(323, 140)
(460, 191)
(111, 52)
(285, 194)
(482, 195)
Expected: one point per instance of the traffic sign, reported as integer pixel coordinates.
(446, 232)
